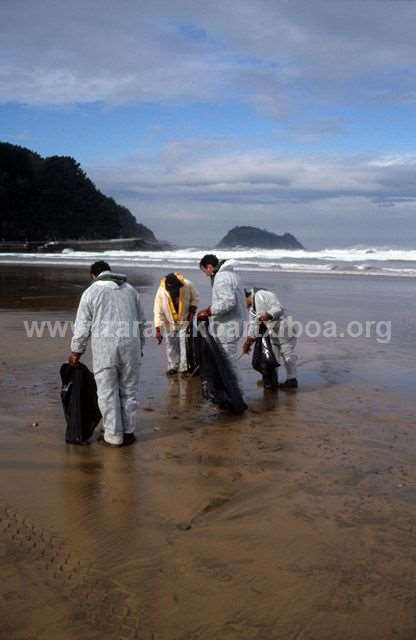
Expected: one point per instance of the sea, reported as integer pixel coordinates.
(370, 261)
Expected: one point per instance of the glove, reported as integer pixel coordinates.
(73, 358)
(159, 336)
(247, 345)
(204, 314)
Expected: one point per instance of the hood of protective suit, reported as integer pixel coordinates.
(224, 265)
(110, 276)
(227, 265)
(228, 308)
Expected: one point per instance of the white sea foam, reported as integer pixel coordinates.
(358, 260)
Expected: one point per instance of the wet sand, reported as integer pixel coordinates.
(295, 521)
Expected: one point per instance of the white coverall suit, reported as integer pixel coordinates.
(228, 312)
(175, 322)
(282, 339)
(110, 312)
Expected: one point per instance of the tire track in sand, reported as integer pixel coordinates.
(98, 600)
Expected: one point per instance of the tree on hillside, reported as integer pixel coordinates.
(53, 199)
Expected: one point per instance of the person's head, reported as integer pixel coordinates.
(173, 284)
(99, 267)
(249, 297)
(209, 264)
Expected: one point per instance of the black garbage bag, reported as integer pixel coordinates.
(79, 400)
(192, 350)
(218, 380)
(264, 361)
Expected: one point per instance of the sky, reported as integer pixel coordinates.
(291, 115)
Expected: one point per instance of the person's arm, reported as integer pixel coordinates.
(223, 295)
(82, 329)
(193, 300)
(194, 296)
(252, 330)
(253, 324)
(276, 309)
(269, 306)
(158, 315)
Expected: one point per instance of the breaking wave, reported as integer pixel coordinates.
(354, 260)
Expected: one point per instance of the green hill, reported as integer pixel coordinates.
(53, 199)
(252, 237)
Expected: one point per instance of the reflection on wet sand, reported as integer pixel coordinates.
(183, 395)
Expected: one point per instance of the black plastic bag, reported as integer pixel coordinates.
(79, 400)
(192, 350)
(263, 356)
(264, 361)
(218, 380)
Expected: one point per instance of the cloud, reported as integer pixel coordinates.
(196, 170)
(212, 189)
(314, 132)
(276, 56)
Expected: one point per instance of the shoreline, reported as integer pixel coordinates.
(170, 264)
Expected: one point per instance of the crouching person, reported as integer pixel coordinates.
(174, 308)
(110, 313)
(266, 313)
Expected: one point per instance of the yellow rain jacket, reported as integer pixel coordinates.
(165, 314)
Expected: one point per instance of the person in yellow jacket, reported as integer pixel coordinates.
(174, 308)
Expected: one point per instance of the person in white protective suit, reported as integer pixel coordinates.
(110, 313)
(227, 311)
(174, 308)
(265, 308)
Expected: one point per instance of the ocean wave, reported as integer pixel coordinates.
(184, 260)
(350, 254)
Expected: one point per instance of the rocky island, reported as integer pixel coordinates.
(252, 237)
(49, 204)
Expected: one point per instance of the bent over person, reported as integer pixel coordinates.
(110, 312)
(266, 311)
(174, 308)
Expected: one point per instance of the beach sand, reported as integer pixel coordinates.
(295, 521)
